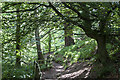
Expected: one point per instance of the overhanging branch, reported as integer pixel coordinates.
(26, 9)
(78, 13)
(79, 34)
(67, 19)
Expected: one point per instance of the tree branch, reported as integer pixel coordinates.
(78, 34)
(76, 11)
(45, 33)
(26, 9)
(63, 17)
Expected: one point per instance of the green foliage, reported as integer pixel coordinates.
(76, 52)
(95, 18)
(26, 70)
(103, 71)
(10, 71)
(113, 50)
(47, 63)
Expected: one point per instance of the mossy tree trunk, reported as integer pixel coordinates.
(18, 53)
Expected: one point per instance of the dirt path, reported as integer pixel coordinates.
(77, 70)
(54, 72)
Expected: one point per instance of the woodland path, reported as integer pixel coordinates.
(54, 72)
(77, 70)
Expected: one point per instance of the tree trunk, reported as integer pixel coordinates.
(18, 54)
(102, 53)
(39, 52)
(49, 42)
(40, 60)
(40, 55)
(68, 35)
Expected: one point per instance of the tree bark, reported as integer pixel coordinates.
(18, 54)
(39, 52)
(102, 53)
(68, 35)
(49, 42)
(40, 55)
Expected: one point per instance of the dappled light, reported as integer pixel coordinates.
(79, 73)
(60, 41)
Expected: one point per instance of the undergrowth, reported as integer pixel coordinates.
(81, 51)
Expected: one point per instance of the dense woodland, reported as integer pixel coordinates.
(62, 40)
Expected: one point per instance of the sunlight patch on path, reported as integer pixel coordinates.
(77, 70)
(74, 74)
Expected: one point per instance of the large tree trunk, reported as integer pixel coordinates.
(18, 54)
(102, 53)
(68, 35)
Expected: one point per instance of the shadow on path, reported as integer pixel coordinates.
(77, 70)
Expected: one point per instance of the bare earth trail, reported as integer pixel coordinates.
(77, 70)
(54, 72)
